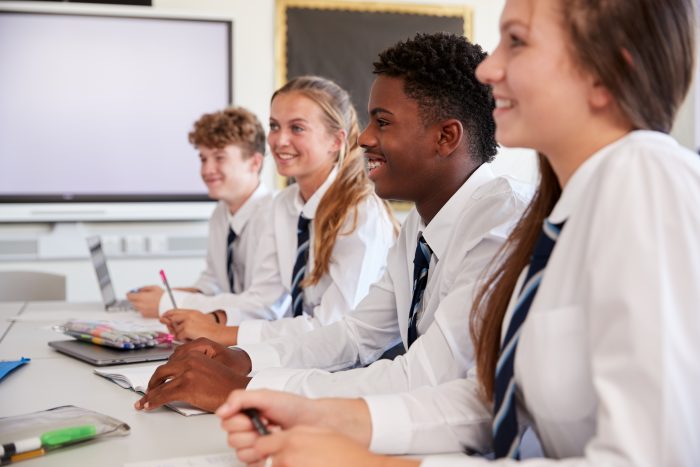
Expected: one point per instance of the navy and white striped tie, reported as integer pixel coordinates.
(229, 258)
(421, 262)
(506, 433)
(300, 265)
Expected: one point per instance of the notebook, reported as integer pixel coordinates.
(99, 261)
(99, 355)
(136, 378)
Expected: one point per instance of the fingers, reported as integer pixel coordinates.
(267, 446)
(181, 334)
(241, 399)
(164, 373)
(233, 405)
(171, 391)
(278, 407)
(250, 457)
(240, 424)
(176, 321)
(175, 314)
(203, 346)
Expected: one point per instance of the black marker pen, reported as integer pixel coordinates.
(254, 416)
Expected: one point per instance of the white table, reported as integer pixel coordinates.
(52, 379)
(8, 309)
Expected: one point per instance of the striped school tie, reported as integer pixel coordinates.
(229, 258)
(300, 265)
(421, 262)
(505, 430)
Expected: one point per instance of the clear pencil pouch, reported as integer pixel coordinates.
(38, 433)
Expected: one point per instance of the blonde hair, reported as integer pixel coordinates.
(351, 185)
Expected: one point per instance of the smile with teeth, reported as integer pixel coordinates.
(374, 163)
(504, 103)
(285, 156)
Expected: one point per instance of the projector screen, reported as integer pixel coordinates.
(97, 108)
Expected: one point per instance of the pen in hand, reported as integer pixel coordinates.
(254, 416)
(167, 287)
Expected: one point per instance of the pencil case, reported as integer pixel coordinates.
(36, 434)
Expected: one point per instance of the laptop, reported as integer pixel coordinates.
(99, 261)
(98, 355)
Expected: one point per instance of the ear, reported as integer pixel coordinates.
(255, 162)
(450, 136)
(599, 97)
(338, 140)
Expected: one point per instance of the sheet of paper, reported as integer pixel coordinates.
(226, 459)
(136, 377)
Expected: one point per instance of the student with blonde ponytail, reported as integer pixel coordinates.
(344, 229)
(429, 141)
(587, 328)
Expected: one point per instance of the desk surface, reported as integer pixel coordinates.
(8, 309)
(52, 379)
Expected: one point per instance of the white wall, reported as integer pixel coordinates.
(254, 58)
(253, 83)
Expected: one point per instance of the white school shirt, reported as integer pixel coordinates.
(464, 235)
(607, 365)
(248, 222)
(357, 260)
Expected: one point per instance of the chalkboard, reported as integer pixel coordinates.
(341, 40)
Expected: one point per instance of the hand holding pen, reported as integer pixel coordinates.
(302, 431)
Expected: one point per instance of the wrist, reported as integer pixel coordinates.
(348, 416)
(228, 335)
(241, 361)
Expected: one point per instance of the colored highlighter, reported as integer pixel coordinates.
(56, 438)
(35, 447)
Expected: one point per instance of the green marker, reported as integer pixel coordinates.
(56, 438)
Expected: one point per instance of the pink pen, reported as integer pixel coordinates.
(167, 287)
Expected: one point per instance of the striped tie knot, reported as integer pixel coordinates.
(229, 259)
(300, 261)
(505, 428)
(421, 263)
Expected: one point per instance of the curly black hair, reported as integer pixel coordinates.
(438, 71)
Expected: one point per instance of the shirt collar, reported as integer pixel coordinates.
(308, 209)
(238, 220)
(438, 232)
(574, 190)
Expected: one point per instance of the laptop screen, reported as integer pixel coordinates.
(99, 260)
